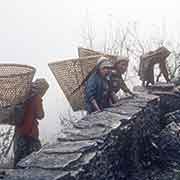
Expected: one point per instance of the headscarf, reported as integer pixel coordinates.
(103, 62)
(39, 87)
(119, 59)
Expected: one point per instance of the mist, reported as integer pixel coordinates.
(38, 32)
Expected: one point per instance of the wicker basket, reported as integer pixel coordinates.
(148, 59)
(82, 52)
(159, 54)
(15, 82)
(70, 75)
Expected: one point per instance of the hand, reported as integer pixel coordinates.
(115, 98)
(134, 94)
(116, 104)
(129, 94)
(97, 111)
(40, 115)
(96, 107)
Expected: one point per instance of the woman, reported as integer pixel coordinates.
(26, 138)
(116, 80)
(97, 91)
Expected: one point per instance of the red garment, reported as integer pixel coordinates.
(32, 109)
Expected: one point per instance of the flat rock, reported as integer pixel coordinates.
(34, 174)
(122, 142)
(49, 161)
(93, 126)
(66, 147)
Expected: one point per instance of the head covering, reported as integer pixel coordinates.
(39, 87)
(119, 59)
(103, 62)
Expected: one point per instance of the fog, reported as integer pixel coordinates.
(37, 32)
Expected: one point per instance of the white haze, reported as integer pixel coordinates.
(37, 32)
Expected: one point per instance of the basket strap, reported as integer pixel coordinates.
(84, 80)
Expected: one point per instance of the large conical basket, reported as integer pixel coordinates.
(82, 52)
(15, 82)
(70, 74)
(159, 54)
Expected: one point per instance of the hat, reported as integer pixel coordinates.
(104, 62)
(39, 87)
(121, 58)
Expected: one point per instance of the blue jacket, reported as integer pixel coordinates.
(96, 88)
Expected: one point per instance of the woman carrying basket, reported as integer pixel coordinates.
(97, 91)
(26, 138)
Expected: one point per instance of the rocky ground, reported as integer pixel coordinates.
(138, 139)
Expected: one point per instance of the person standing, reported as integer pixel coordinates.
(26, 138)
(147, 63)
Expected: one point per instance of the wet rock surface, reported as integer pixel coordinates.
(137, 139)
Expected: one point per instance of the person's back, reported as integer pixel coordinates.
(147, 63)
(33, 110)
(26, 132)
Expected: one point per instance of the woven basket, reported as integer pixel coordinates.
(82, 52)
(153, 57)
(15, 82)
(70, 75)
(161, 53)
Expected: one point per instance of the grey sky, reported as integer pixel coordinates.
(36, 32)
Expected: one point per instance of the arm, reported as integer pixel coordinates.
(18, 114)
(113, 98)
(12, 114)
(164, 71)
(95, 105)
(90, 92)
(124, 86)
(158, 76)
(6, 114)
(39, 111)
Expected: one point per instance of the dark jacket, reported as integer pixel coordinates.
(33, 110)
(96, 88)
(117, 83)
